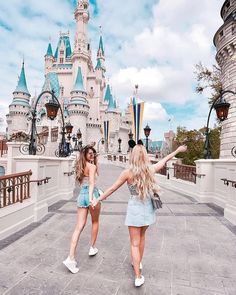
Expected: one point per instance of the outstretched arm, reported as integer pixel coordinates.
(162, 162)
(119, 182)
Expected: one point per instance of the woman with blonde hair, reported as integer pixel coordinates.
(140, 178)
(86, 169)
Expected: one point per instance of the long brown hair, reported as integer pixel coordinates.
(142, 174)
(82, 161)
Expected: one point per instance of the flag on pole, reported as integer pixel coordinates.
(106, 131)
(136, 111)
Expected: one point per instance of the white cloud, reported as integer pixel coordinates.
(151, 43)
(154, 111)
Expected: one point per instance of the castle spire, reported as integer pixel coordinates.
(79, 85)
(101, 51)
(22, 85)
(49, 50)
(100, 56)
(107, 93)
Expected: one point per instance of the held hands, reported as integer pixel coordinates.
(181, 149)
(94, 202)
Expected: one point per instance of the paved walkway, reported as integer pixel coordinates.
(191, 250)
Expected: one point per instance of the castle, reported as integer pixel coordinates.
(85, 96)
(225, 42)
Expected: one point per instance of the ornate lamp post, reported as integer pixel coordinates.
(76, 139)
(69, 129)
(130, 134)
(102, 140)
(147, 131)
(222, 109)
(52, 108)
(119, 142)
(79, 136)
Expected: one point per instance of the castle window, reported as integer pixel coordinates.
(62, 90)
(221, 33)
(228, 4)
(61, 60)
(62, 52)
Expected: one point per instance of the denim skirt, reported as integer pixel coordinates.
(83, 197)
(140, 212)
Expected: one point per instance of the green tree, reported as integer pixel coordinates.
(208, 79)
(214, 138)
(194, 139)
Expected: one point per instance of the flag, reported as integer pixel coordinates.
(106, 131)
(136, 111)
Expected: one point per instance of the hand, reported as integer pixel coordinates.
(94, 203)
(181, 149)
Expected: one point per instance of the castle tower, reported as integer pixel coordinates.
(81, 55)
(48, 59)
(78, 107)
(20, 106)
(225, 42)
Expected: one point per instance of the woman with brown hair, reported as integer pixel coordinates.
(86, 169)
(140, 178)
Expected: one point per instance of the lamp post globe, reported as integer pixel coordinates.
(147, 131)
(222, 109)
(119, 142)
(52, 108)
(69, 128)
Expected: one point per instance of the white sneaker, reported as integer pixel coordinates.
(71, 265)
(93, 251)
(140, 265)
(139, 281)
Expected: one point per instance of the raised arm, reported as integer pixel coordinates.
(119, 182)
(161, 163)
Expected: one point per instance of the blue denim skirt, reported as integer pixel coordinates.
(83, 197)
(140, 212)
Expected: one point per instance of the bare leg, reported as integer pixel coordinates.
(142, 242)
(135, 238)
(82, 214)
(95, 213)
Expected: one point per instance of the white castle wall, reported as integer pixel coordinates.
(225, 42)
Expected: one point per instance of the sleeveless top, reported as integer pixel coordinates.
(132, 189)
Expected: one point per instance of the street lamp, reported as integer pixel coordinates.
(147, 131)
(52, 108)
(130, 134)
(69, 129)
(76, 139)
(119, 142)
(222, 109)
(102, 140)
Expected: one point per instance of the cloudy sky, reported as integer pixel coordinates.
(152, 43)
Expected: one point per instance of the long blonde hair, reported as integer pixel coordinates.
(142, 175)
(82, 161)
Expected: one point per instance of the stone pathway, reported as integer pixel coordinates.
(191, 250)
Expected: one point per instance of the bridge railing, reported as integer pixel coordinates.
(185, 172)
(14, 188)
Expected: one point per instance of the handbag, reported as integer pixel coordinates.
(156, 201)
